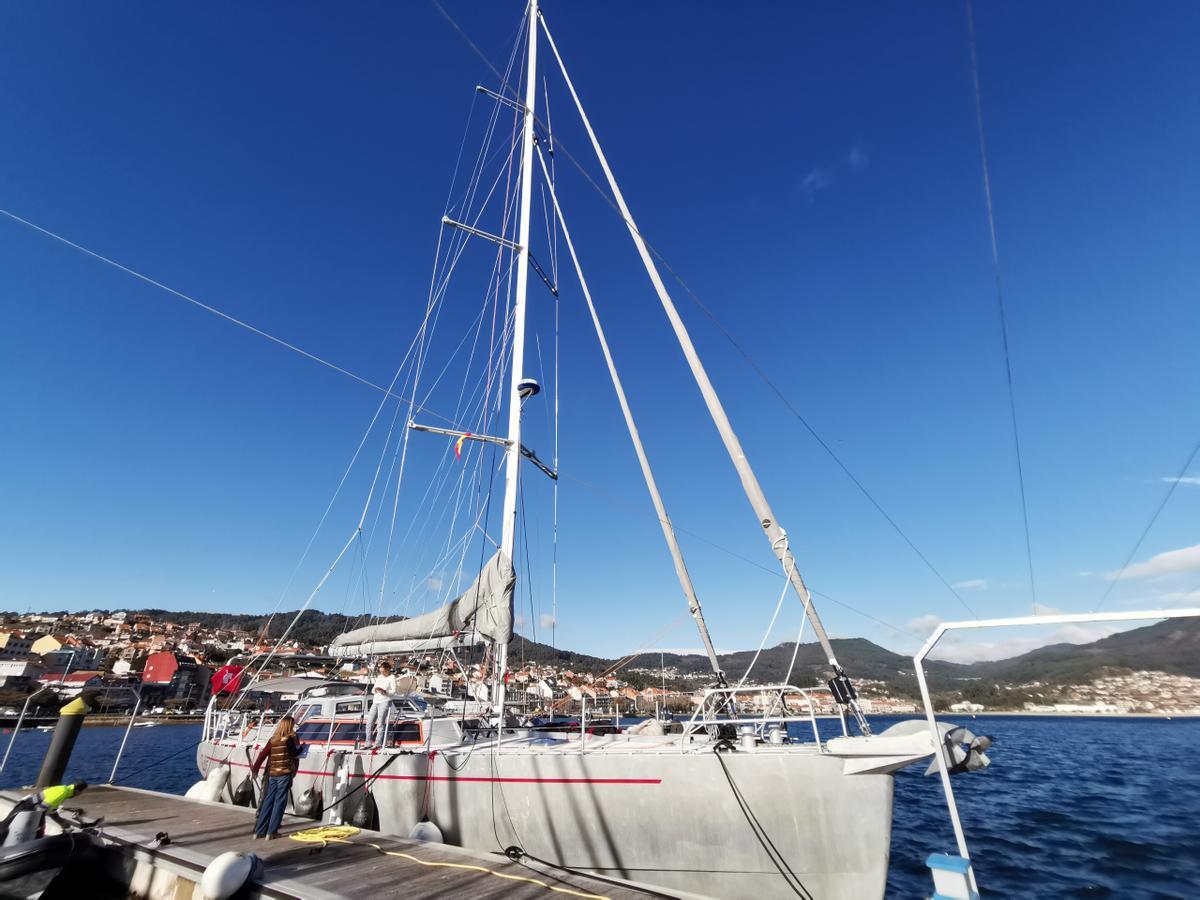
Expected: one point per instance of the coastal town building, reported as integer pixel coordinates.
(20, 674)
(71, 685)
(171, 662)
(15, 645)
(170, 677)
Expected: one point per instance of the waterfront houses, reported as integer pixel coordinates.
(170, 664)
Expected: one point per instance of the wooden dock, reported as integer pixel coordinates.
(367, 864)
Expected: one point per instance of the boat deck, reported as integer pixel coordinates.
(369, 864)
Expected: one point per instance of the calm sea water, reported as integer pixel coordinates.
(1070, 807)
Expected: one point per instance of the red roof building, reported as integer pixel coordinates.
(172, 676)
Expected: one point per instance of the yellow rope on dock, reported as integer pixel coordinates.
(324, 833)
(342, 834)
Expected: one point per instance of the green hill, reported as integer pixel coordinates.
(1172, 646)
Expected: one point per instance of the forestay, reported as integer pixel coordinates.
(483, 611)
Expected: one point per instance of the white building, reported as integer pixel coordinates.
(16, 673)
(1093, 708)
(966, 707)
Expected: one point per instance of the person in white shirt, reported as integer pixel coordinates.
(382, 690)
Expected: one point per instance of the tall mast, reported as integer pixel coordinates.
(512, 471)
(774, 532)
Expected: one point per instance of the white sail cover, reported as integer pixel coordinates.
(371, 645)
(483, 611)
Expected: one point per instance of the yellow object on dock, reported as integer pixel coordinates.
(324, 833)
(319, 862)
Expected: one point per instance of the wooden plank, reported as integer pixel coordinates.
(369, 865)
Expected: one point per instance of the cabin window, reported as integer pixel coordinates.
(397, 733)
(349, 706)
(350, 731)
(408, 705)
(404, 732)
(312, 731)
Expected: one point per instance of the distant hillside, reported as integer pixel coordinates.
(860, 657)
(1172, 646)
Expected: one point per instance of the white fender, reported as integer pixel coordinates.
(426, 831)
(211, 787)
(228, 873)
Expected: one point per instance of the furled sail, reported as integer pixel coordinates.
(371, 644)
(484, 610)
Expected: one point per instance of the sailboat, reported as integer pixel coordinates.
(729, 807)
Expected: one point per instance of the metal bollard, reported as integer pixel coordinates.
(70, 720)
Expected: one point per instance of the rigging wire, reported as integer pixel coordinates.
(213, 310)
(991, 220)
(388, 392)
(442, 276)
(1188, 596)
(607, 494)
(808, 426)
(646, 645)
(1174, 483)
(495, 355)
(528, 562)
(721, 327)
(795, 651)
(771, 624)
(420, 344)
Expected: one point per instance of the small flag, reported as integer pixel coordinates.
(458, 445)
(227, 679)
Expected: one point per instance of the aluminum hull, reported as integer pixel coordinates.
(774, 822)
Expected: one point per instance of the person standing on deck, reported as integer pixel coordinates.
(381, 706)
(282, 756)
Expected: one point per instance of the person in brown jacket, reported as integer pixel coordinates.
(282, 756)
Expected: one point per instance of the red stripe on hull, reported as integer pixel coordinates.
(469, 778)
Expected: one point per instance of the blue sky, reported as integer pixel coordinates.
(811, 171)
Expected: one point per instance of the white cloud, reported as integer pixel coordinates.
(924, 624)
(816, 180)
(1187, 479)
(822, 178)
(960, 651)
(1181, 596)
(1186, 559)
(434, 584)
(1042, 610)
(972, 584)
(546, 621)
(520, 622)
(1085, 574)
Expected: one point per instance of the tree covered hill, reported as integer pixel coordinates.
(1172, 646)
